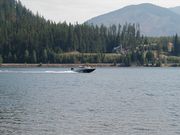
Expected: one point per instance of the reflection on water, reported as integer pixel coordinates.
(41, 101)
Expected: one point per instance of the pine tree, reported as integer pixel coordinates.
(176, 46)
(45, 56)
(1, 59)
(150, 57)
(26, 56)
(34, 57)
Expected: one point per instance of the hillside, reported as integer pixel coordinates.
(154, 20)
(176, 9)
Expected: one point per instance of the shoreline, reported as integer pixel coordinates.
(69, 65)
(13, 65)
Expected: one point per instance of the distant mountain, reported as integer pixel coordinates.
(153, 20)
(176, 9)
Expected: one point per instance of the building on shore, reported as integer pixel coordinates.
(170, 47)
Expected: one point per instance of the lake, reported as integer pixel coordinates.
(109, 101)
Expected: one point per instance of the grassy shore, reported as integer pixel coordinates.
(12, 65)
(24, 65)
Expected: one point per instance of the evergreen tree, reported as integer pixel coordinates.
(10, 57)
(176, 46)
(1, 59)
(26, 56)
(45, 56)
(150, 57)
(34, 57)
(14, 58)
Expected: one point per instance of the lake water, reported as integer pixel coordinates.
(109, 101)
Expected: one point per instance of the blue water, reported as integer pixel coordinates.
(109, 101)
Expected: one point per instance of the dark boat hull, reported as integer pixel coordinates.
(84, 70)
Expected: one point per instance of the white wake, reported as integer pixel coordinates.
(37, 72)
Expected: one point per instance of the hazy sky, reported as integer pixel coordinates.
(82, 10)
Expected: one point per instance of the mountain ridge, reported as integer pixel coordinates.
(154, 20)
(175, 9)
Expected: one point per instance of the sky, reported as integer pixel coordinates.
(81, 10)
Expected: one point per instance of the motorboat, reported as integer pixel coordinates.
(83, 69)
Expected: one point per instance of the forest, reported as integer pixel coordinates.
(29, 38)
